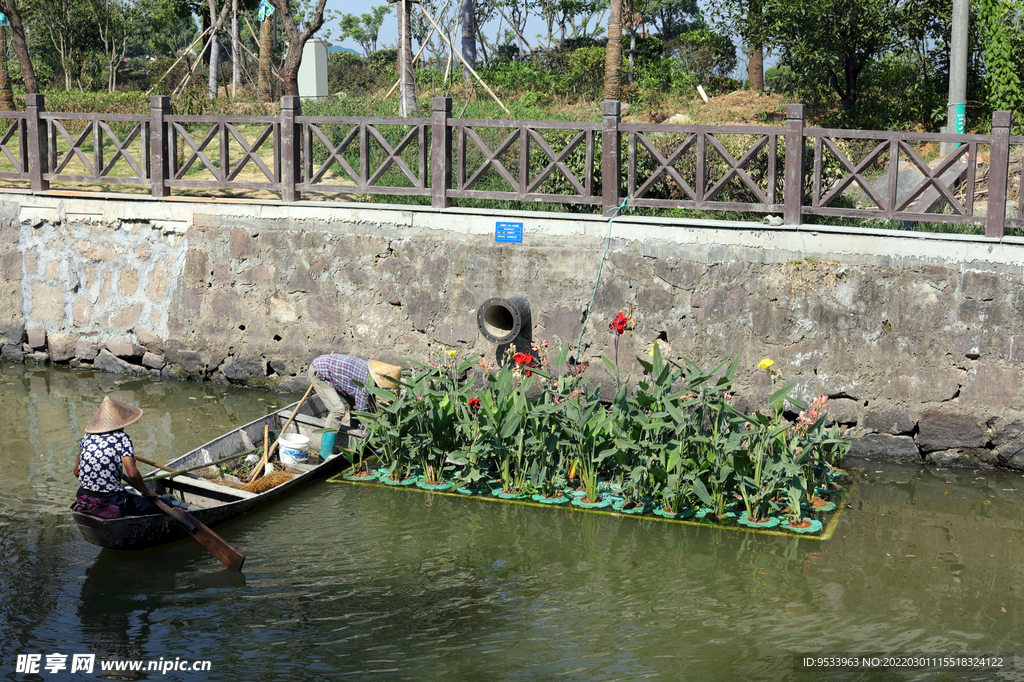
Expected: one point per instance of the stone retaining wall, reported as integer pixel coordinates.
(916, 339)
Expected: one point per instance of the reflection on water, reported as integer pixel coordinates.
(352, 582)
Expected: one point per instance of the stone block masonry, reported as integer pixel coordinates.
(917, 339)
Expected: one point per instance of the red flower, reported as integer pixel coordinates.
(474, 404)
(523, 359)
(618, 325)
(526, 372)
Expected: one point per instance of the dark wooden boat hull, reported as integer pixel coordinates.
(143, 532)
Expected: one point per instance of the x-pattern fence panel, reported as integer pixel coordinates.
(13, 145)
(792, 170)
(550, 161)
(1015, 210)
(224, 150)
(884, 175)
(704, 167)
(99, 147)
(364, 155)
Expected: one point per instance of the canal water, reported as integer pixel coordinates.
(358, 583)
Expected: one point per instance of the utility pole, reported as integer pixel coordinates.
(957, 73)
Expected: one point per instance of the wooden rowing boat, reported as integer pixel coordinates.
(213, 503)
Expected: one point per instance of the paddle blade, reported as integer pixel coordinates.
(214, 544)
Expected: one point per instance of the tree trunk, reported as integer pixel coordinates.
(206, 48)
(263, 83)
(468, 37)
(214, 54)
(6, 96)
(9, 8)
(613, 53)
(755, 67)
(236, 52)
(408, 92)
(297, 40)
(214, 66)
(292, 60)
(632, 50)
(755, 46)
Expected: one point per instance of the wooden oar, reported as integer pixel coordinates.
(154, 464)
(214, 544)
(266, 455)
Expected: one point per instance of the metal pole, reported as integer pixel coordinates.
(957, 72)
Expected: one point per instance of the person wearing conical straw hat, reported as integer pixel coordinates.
(341, 383)
(105, 450)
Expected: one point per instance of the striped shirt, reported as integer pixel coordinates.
(347, 375)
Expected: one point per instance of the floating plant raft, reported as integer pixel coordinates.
(673, 446)
(824, 517)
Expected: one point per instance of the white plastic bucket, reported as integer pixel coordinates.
(293, 448)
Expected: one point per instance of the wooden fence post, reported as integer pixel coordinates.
(38, 144)
(291, 168)
(440, 152)
(159, 147)
(998, 174)
(611, 154)
(793, 187)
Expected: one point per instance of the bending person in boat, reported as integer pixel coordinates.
(340, 381)
(105, 450)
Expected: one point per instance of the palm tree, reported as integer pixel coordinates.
(613, 53)
(263, 80)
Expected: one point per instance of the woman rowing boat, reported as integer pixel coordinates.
(105, 451)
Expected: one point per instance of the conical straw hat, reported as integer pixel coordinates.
(385, 375)
(111, 416)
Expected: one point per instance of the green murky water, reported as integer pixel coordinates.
(358, 583)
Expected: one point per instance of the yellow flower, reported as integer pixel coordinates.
(765, 364)
(452, 353)
(663, 345)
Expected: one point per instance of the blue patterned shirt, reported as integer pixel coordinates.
(342, 372)
(100, 470)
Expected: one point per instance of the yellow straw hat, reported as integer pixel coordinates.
(385, 375)
(111, 416)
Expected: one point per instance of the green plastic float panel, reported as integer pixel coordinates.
(826, 533)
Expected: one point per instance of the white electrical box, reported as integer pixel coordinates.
(313, 70)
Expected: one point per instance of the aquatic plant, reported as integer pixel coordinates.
(676, 438)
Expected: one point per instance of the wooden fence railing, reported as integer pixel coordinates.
(791, 169)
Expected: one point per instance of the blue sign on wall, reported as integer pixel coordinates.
(508, 232)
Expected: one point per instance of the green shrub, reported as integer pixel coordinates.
(351, 74)
(702, 54)
(781, 79)
(383, 61)
(75, 101)
(512, 76)
(586, 71)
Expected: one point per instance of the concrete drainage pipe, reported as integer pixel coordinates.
(503, 320)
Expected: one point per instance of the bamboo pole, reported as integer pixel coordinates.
(199, 60)
(468, 67)
(185, 52)
(513, 27)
